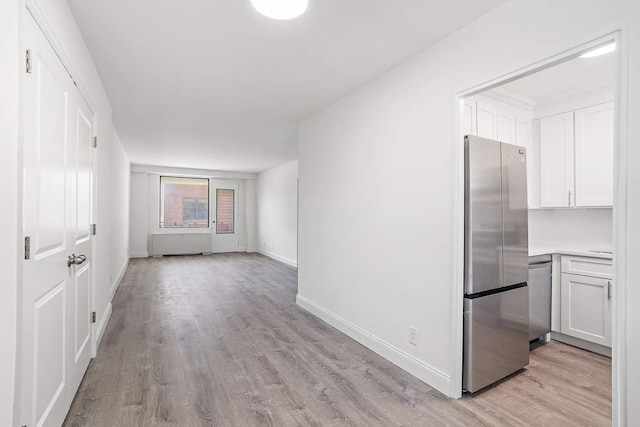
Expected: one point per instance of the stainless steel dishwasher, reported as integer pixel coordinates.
(539, 296)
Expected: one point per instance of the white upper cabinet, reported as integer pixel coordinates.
(576, 158)
(506, 128)
(594, 128)
(569, 144)
(490, 118)
(487, 118)
(556, 161)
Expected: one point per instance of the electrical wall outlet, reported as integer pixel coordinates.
(413, 336)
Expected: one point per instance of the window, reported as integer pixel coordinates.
(195, 209)
(224, 211)
(184, 202)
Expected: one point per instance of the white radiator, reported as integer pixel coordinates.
(181, 244)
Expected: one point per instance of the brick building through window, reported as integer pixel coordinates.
(184, 202)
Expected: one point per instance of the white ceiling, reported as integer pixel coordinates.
(212, 84)
(568, 78)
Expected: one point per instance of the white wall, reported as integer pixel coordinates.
(112, 177)
(118, 206)
(384, 155)
(139, 219)
(590, 229)
(9, 221)
(252, 215)
(145, 207)
(278, 213)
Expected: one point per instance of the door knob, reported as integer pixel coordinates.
(75, 259)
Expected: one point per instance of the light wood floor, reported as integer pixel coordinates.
(218, 340)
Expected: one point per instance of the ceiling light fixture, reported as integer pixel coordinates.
(281, 9)
(602, 50)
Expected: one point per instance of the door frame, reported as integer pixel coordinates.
(619, 362)
(30, 9)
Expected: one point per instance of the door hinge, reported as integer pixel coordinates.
(95, 142)
(93, 229)
(93, 317)
(27, 247)
(28, 59)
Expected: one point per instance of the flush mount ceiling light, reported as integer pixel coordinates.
(602, 50)
(281, 9)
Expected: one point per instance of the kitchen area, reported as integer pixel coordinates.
(563, 120)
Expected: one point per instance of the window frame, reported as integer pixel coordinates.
(161, 207)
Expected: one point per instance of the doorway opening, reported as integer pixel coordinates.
(565, 112)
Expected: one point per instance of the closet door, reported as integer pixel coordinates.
(55, 324)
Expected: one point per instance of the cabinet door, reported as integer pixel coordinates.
(524, 121)
(586, 308)
(594, 155)
(487, 118)
(469, 117)
(506, 123)
(556, 161)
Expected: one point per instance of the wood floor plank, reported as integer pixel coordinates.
(219, 341)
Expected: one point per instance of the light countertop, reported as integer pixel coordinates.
(592, 253)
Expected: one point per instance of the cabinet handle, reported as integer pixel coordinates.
(569, 202)
(609, 290)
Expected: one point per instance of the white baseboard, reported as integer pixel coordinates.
(102, 326)
(139, 255)
(430, 375)
(288, 261)
(104, 320)
(252, 250)
(116, 282)
(577, 342)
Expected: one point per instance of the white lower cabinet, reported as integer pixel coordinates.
(585, 303)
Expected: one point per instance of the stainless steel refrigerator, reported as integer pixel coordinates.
(496, 299)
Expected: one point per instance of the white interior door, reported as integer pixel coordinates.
(81, 182)
(224, 214)
(55, 297)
